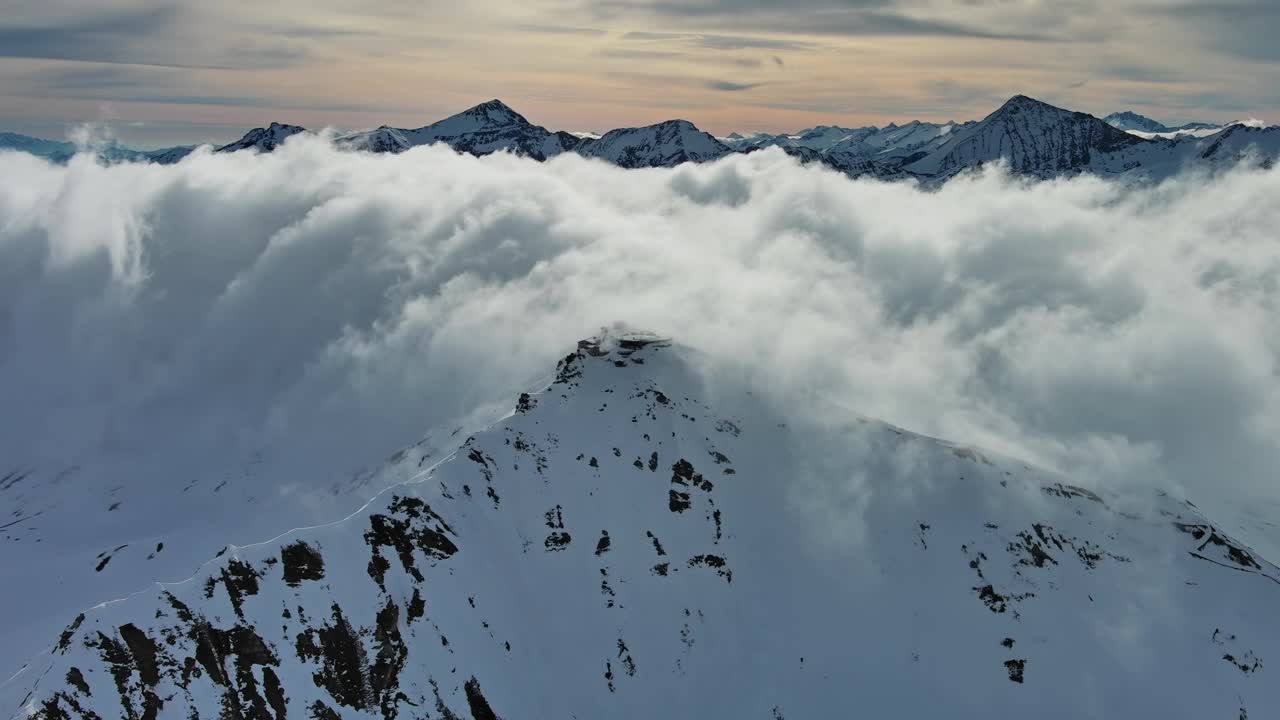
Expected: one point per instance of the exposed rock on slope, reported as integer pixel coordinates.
(1033, 137)
(263, 139)
(622, 546)
(662, 145)
(486, 128)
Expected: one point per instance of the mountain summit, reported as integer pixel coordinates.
(632, 542)
(481, 130)
(661, 145)
(263, 139)
(1129, 120)
(1035, 138)
(494, 113)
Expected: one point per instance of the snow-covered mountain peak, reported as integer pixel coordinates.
(488, 116)
(1024, 101)
(1129, 120)
(634, 542)
(1034, 137)
(263, 139)
(486, 128)
(662, 145)
(495, 113)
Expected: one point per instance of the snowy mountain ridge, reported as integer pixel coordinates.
(1130, 121)
(1032, 137)
(61, 151)
(632, 542)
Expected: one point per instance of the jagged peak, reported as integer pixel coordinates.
(488, 115)
(276, 127)
(265, 138)
(495, 110)
(1127, 115)
(494, 104)
(1021, 102)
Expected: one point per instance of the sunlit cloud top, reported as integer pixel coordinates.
(179, 70)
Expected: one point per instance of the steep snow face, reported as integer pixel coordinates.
(661, 145)
(69, 542)
(263, 139)
(636, 541)
(1033, 137)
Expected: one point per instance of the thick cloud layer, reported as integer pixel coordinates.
(322, 308)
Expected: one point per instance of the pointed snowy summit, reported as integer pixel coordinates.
(662, 145)
(1034, 137)
(1129, 120)
(263, 139)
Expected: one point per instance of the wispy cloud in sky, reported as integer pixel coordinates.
(601, 63)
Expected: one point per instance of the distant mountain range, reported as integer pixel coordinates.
(62, 151)
(1036, 139)
(1131, 121)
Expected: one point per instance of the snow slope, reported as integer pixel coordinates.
(70, 540)
(635, 540)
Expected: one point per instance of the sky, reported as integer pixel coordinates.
(176, 71)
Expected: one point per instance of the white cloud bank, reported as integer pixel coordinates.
(325, 307)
